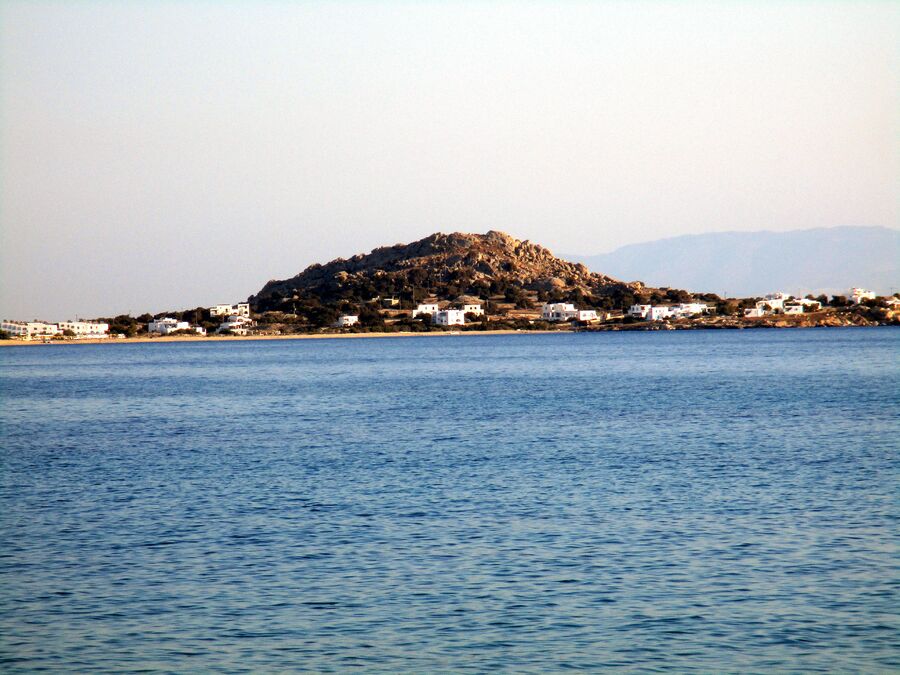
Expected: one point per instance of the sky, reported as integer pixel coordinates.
(164, 155)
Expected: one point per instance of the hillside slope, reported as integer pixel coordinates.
(440, 265)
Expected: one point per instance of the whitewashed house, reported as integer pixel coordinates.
(240, 309)
(775, 300)
(799, 305)
(85, 329)
(469, 304)
(660, 312)
(450, 317)
(29, 329)
(639, 311)
(473, 308)
(345, 320)
(857, 295)
(564, 311)
(236, 325)
(691, 309)
(652, 312)
(781, 303)
(558, 311)
(167, 325)
(776, 303)
(814, 305)
(427, 308)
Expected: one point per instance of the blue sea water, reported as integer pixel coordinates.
(711, 501)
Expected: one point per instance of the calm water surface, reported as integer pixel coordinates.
(684, 502)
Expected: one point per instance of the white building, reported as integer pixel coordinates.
(29, 329)
(240, 309)
(85, 329)
(857, 295)
(564, 311)
(776, 303)
(652, 312)
(807, 302)
(473, 308)
(428, 308)
(640, 311)
(660, 312)
(345, 320)
(800, 305)
(236, 324)
(469, 304)
(691, 308)
(775, 300)
(450, 317)
(167, 325)
(558, 311)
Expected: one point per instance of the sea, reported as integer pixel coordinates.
(643, 502)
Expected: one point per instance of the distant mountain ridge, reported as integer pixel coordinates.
(821, 260)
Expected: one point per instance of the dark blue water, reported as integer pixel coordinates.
(685, 502)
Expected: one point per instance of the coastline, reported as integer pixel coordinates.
(301, 336)
(643, 327)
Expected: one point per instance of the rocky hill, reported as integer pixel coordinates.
(443, 266)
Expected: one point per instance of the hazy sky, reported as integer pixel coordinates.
(159, 155)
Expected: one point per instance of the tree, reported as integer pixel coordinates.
(677, 295)
(727, 308)
(624, 300)
(369, 316)
(320, 316)
(195, 316)
(839, 301)
(602, 302)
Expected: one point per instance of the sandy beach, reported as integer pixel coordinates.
(233, 338)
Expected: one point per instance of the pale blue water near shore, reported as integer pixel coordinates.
(648, 502)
